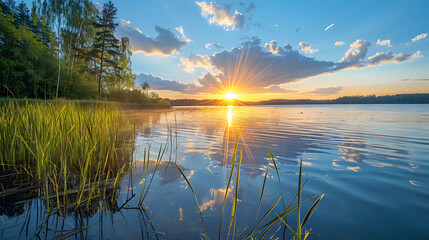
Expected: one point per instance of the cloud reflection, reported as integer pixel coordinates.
(218, 197)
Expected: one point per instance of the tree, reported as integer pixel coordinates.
(26, 64)
(10, 4)
(106, 46)
(145, 87)
(22, 16)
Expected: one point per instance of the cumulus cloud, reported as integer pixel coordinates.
(158, 83)
(328, 27)
(383, 42)
(306, 47)
(337, 43)
(274, 47)
(216, 45)
(164, 43)
(326, 90)
(420, 36)
(218, 197)
(277, 89)
(222, 15)
(386, 57)
(180, 29)
(253, 67)
(196, 61)
(355, 54)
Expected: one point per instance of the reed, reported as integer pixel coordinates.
(66, 147)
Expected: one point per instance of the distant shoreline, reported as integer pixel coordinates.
(420, 98)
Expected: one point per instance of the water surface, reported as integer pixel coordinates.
(370, 161)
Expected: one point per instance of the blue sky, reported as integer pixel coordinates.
(377, 35)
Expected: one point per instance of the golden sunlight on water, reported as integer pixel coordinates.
(229, 116)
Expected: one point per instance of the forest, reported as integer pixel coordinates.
(369, 99)
(66, 49)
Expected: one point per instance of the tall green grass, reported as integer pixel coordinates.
(66, 147)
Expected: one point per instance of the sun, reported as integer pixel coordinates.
(230, 96)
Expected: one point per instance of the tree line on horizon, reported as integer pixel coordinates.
(67, 49)
(360, 99)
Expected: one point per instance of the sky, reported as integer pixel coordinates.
(278, 49)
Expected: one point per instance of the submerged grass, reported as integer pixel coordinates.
(66, 147)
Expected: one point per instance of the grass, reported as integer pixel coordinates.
(65, 147)
(121, 105)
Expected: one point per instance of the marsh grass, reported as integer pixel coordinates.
(73, 153)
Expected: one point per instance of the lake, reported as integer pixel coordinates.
(370, 161)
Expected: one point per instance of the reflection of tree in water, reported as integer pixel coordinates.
(24, 200)
(166, 172)
(145, 119)
(28, 199)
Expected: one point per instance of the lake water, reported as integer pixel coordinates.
(370, 161)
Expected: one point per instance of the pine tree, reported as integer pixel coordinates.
(10, 4)
(106, 47)
(22, 16)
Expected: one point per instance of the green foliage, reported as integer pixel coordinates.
(134, 96)
(79, 59)
(105, 49)
(26, 64)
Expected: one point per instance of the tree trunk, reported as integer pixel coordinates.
(101, 63)
(59, 56)
(101, 74)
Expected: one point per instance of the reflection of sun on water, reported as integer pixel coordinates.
(229, 116)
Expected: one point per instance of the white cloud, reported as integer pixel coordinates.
(222, 16)
(165, 43)
(218, 198)
(210, 45)
(337, 43)
(328, 27)
(306, 47)
(180, 30)
(355, 54)
(274, 47)
(196, 61)
(386, 57)
(383, 42)
(420, 36)
(326, 90)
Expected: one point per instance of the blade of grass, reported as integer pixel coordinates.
(196, 199)
(298, 227)
(311, 210)
(228, 182)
